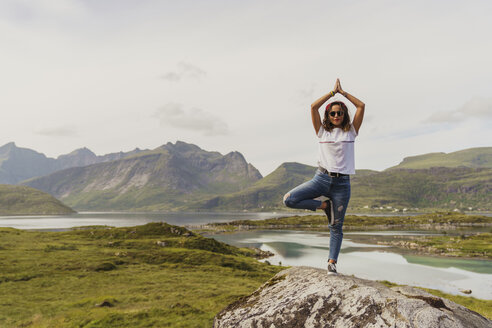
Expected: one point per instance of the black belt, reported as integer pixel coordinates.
(332, 174)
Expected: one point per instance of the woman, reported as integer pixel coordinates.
(336, 162)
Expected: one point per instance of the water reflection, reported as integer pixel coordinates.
(479, 266)
(288, 250)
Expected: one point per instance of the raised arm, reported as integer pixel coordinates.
(359, 114)
(315, 108)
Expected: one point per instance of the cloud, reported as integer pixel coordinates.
(57, 132)
(194, 119)
(477, 107)
(184, 70)
(171, 77)
(25, 10)
(305, 96)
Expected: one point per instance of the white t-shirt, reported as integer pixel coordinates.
(336, 150)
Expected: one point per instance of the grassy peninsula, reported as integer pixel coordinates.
(463, 245)
(21, 200)
(155, 275)
(439, 220)
(478, 245)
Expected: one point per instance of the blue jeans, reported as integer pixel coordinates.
(337, 189)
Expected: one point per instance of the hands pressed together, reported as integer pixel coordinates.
(338, 88)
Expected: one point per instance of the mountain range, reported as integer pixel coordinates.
(183, 176)
(170, 177)
(18, 164)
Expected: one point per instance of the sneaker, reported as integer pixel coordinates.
(332, 269)
(329, 211)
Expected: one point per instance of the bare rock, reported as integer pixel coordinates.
(308, 297)
(104, 304)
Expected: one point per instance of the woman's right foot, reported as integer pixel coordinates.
(332, 269)
(329, 211)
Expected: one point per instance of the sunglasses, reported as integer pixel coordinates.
(336, 112)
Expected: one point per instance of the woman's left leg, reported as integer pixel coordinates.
(340, 196)
(302, 196)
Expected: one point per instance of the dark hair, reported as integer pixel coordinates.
(346, 118)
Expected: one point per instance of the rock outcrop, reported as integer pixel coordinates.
(308, 297)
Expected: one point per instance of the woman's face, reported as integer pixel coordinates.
(336, 115)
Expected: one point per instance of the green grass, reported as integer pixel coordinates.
(55, 279)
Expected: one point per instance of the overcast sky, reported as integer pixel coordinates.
(241, 75)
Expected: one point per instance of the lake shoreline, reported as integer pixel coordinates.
(470, 246)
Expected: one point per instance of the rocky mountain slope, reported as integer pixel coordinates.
(308, 297)
(173, 176)
(18, 164)
(21, 200)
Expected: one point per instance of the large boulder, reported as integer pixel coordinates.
(308, 297)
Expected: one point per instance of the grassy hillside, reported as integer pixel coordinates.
(436, 188)
(444, 188)
(156, 275)
(473, 157)
(17, 200)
